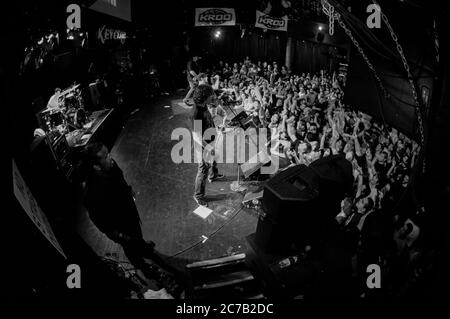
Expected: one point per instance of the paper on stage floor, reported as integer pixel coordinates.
(203, 211)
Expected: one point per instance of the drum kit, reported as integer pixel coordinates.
(69, 114)
(53, 118)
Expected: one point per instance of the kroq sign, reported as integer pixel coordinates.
(272, 23)
(265, 21)
(215, 16)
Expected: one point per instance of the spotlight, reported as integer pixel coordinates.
(320, 28)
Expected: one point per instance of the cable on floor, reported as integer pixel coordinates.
(209, 236)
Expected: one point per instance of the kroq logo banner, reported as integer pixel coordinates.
(214, 17)
(265, 21)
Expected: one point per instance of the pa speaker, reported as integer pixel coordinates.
(335, 174)
(301, 202)
(255, 163)
(289, 200)
(290, 192)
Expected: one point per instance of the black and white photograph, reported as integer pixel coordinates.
(224, 157)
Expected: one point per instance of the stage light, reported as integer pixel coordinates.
(286, 4)
(320, 28)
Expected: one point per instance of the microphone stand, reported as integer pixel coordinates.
(236, 185)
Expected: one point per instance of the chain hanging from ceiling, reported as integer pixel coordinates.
(328, 9)
(333, 16)
(410, 79)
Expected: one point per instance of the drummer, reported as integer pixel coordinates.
(55, 101)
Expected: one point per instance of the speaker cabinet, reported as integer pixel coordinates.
(92, 96)
(301, 202)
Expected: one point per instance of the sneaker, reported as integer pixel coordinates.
(216, 178)
(188, 103)
(201, 202)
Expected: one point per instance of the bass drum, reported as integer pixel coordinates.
(54, 119)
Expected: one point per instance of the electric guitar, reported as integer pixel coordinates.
(211, 151)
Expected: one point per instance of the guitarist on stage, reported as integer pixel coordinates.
(192, 72)
(205, 103)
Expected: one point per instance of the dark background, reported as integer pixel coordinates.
(166, 31)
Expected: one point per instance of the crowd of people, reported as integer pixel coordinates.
(307, 120)
(306, 115)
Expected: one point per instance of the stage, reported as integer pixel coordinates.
(165, 189)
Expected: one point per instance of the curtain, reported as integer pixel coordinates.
(232, 47)
(311, 57)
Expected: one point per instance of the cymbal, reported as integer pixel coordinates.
(51, 110)
(70, 89)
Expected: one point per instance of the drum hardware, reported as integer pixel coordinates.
(69, 90)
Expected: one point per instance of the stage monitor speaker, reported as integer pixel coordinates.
(248, 123)
(255, 163)
(302, 201)
(237, 119)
